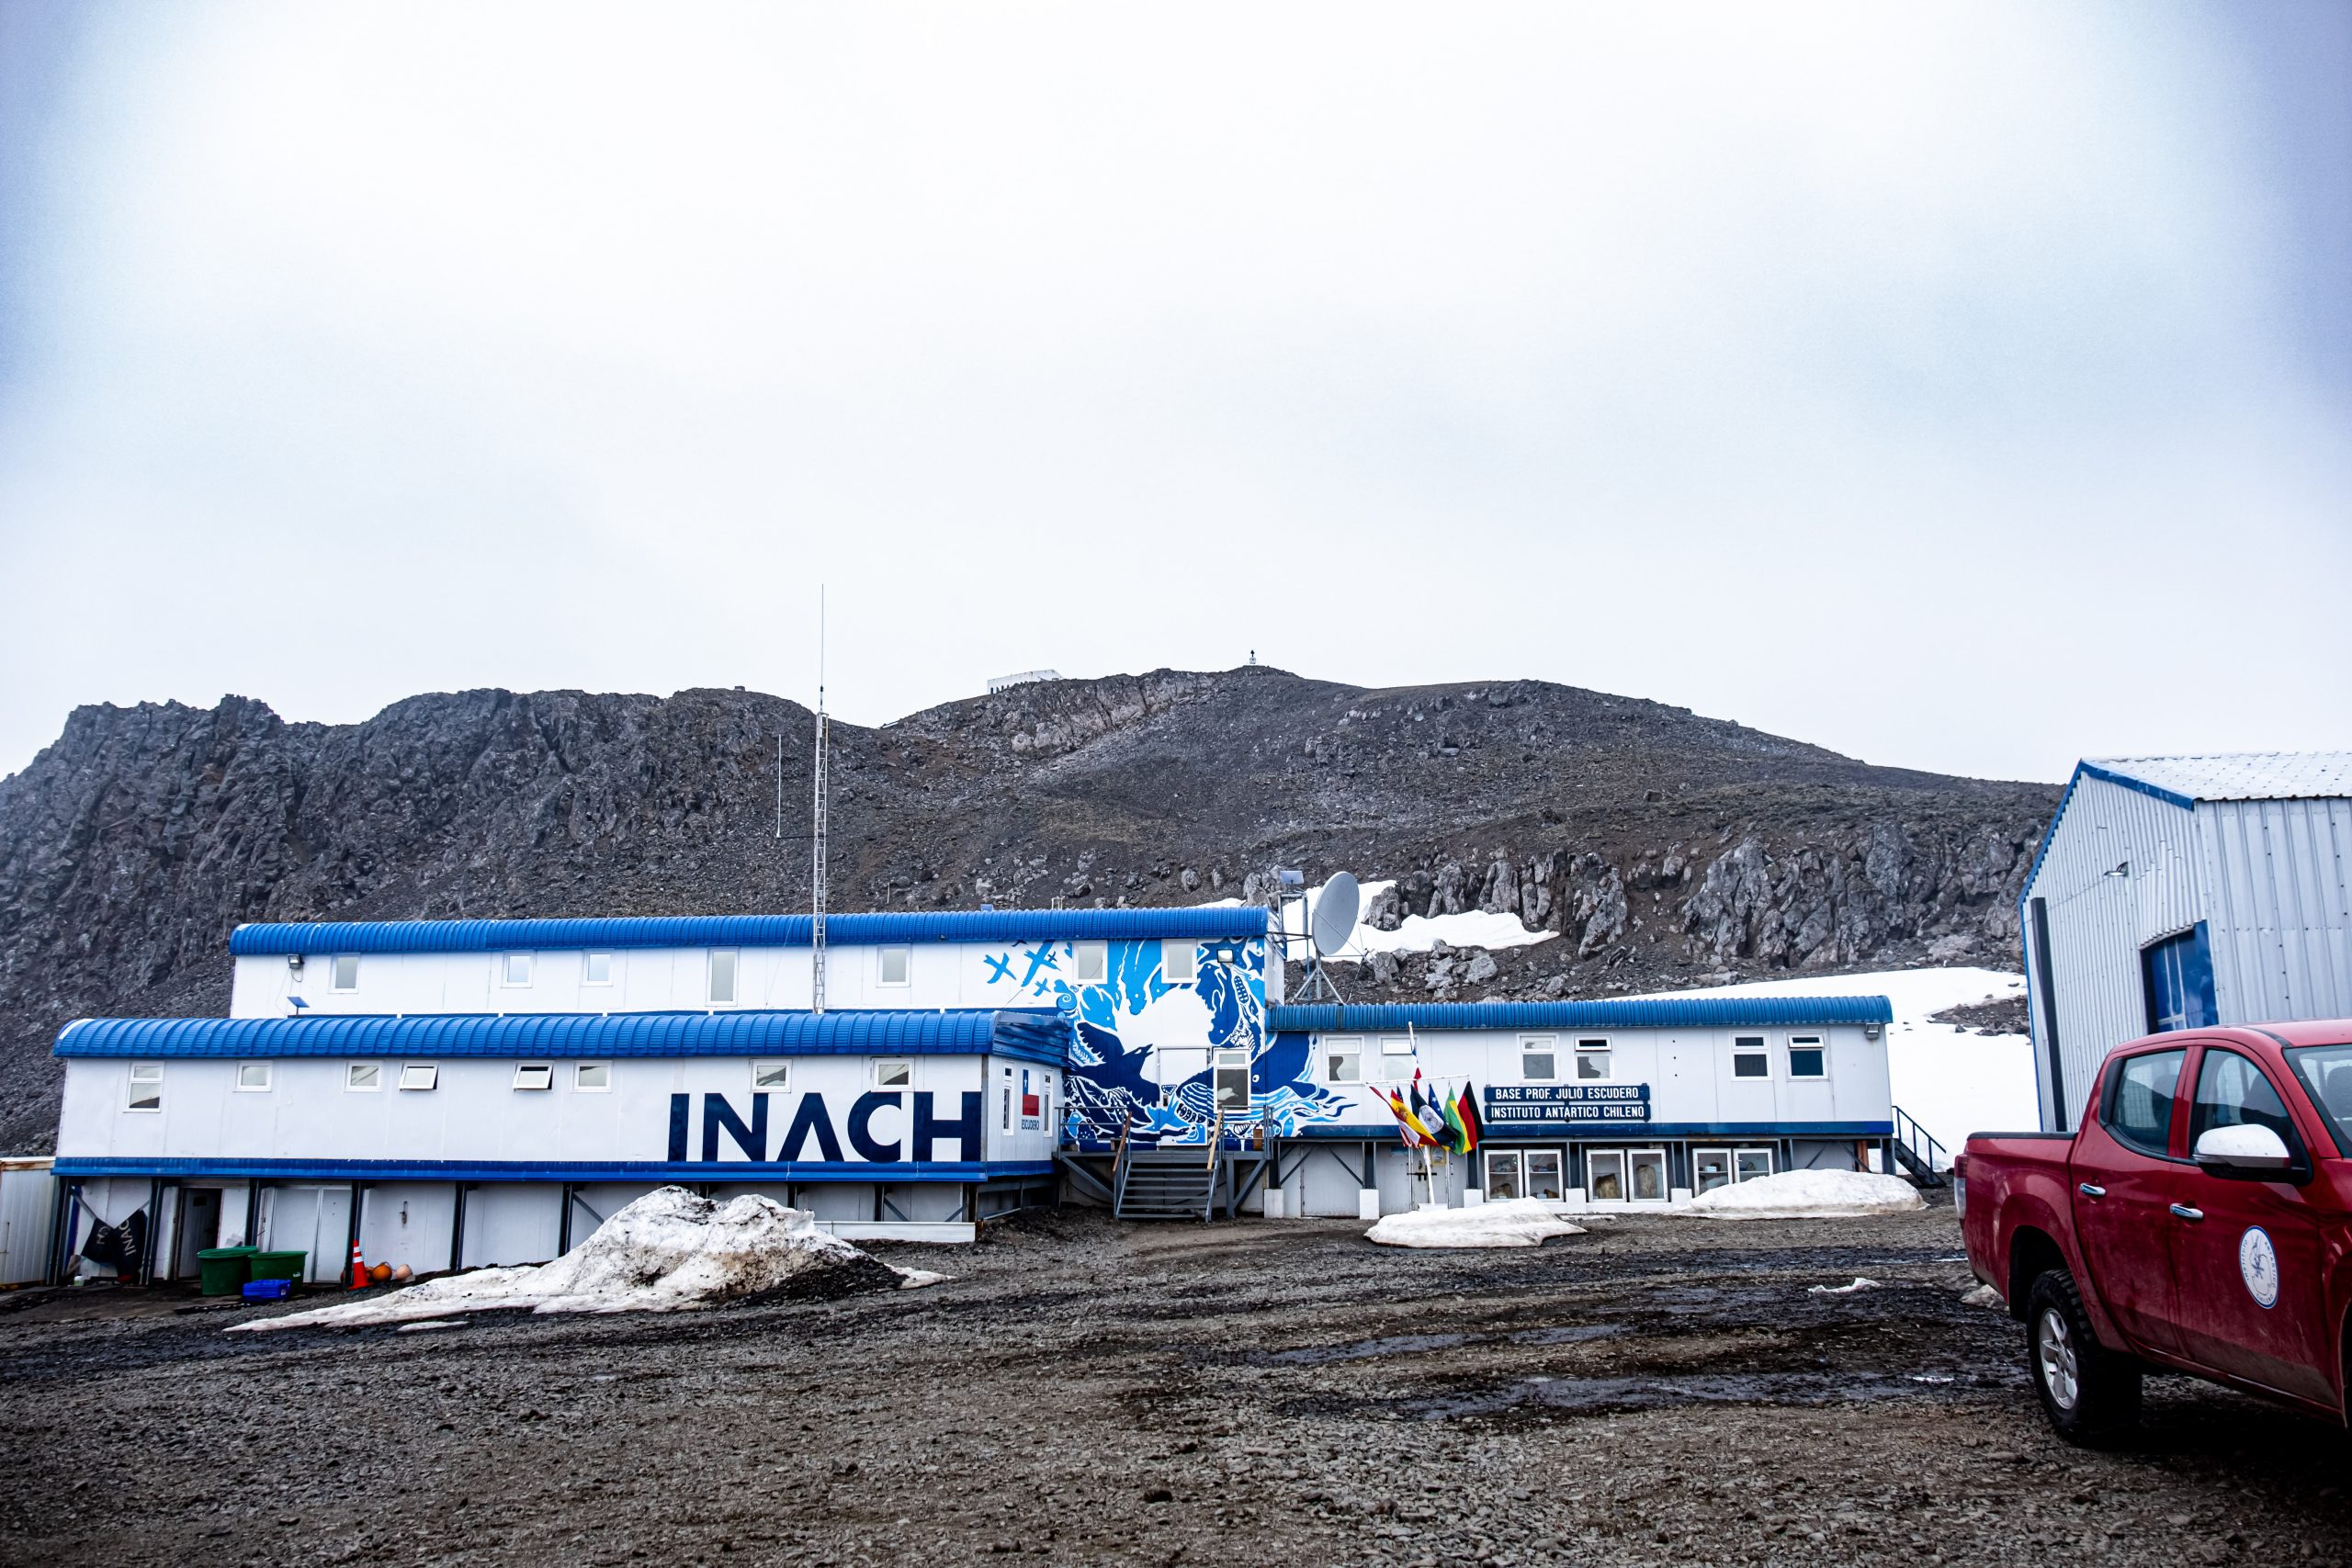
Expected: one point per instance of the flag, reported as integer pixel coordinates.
(1416, 1133)
(1465, 1110)
(1457, 1136)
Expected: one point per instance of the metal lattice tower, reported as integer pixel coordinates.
(817, 835)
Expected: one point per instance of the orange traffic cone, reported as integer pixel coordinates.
(359, 1281)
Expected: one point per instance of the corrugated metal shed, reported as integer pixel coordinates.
(746, 931)
(1656, 1012)
(2234, 776)
(2250, 853)
(1032, 1035)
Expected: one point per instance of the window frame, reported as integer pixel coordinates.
(1099, 952)
(1406, 1055)
(506, 962)
(588, 968)
(906, 1062)
(524, 1071)
(1730, 1169)
(1226, 1059)
(150, 1074)
(781, 1066)
(352, 1071)
(1169, 948)
(432, 1071)
(1762, 1051)
(1796, 1042)
(1527, 1172)
(268, 1076)
(335, 973)
(1516, 1161)
(906, 955)
(2183, 1087)
(579, 1084)
(1544, 1045)
(2289, 1136)
(1771, 1162)
(1594, 1045)
(733, 958)
(1342, 1045)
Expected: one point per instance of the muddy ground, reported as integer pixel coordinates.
(1659, 1391)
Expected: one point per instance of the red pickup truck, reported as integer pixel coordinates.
(2199, 1221)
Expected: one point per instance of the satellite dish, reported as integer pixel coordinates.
(1335, 914)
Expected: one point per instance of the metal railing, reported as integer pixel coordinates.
(1916, 1151)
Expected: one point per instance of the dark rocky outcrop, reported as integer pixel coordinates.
(1663, 847)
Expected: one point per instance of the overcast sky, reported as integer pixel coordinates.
(1959, 386)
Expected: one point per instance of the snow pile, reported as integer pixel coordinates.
(1515, 1222)
(668, 1251)
(1953, 1079)
(1800, 1194)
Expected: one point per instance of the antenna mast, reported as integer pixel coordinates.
(817, 845)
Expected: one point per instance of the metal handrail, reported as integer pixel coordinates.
(1921, 1141)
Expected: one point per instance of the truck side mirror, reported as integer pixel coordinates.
(2247, 1151)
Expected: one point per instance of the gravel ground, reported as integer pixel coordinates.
(1658, 1391)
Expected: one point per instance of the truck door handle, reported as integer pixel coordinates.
(2090, 1192)
(2186, 1213)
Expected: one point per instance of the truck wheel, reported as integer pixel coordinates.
(2089, 1392)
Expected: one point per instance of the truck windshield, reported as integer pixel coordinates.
(2326, 1072)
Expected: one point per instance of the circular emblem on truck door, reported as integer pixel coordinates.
(2258, 1261)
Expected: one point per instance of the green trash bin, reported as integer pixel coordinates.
(225, 1268)
(278, 1264)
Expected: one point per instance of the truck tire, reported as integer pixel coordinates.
(2090, 1393)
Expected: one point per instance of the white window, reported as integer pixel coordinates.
(419, 1077)
(597, 970)
(893, 1072)
(1539, 1057)
(1544, 1175)
(770, 1075)
(722, 977)
(1592, 1058)
(1344, 1056)
(1806, 1057)
(1626, 1176)
(1750, 1164)
(1395, 1058)
(1092, 960)
(253, 1078)
(535, 1075)
(895, 965)
(346, 976)
(1008, 1099)
(363, 1077)
(1710, 1168)
(593, 1077)
(1179, 961)
(516, 969)
(1502, 1175)
(146, 1086)
(1748, 1057)
(1232, 1080)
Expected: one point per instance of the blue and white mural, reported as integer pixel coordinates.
(1146, 1049)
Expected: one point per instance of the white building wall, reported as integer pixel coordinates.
(2098, 924)
(27, 1213)
(2279, 922)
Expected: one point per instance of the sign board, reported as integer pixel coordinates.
(1543, 1106)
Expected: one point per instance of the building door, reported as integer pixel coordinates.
(199, 1229)
(315, 1221)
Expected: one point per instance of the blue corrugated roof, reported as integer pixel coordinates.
(1027, 1035)
(1654, 1013)
(745, 930)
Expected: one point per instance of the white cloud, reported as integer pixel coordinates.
(1790, 363)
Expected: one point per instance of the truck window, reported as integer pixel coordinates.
(2326, 1072)
(2138, 1101)
(2232, 1093)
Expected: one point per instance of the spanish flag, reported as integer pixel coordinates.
(1416, 1131)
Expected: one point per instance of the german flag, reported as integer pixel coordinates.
(1465, 1112)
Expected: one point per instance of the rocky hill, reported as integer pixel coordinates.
(1666, 847)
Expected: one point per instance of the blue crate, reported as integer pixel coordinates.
(268, 1290)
